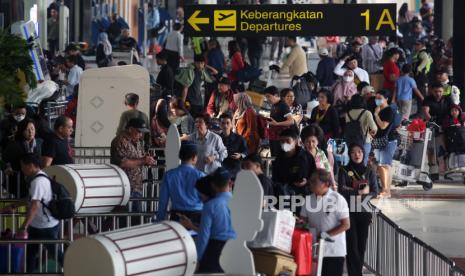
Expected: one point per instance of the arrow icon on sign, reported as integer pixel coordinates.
(194, 20)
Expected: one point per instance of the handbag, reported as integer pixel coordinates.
(380, 142)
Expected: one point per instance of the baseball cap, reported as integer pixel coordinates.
(139, 124)
(323, 52)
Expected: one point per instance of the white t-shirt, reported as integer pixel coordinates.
(324, 214)
(74, 76)
(41, 189)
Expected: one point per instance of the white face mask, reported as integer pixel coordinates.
(19, 118)
(348, 78)
(445, 82)
(287, 147)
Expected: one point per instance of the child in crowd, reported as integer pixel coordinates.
(456, 117)
(405, 87)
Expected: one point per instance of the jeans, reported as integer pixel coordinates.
(136, 206)
(33, 249)
(367, 150)
(384, 156)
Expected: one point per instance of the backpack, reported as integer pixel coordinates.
(61, 206)
(248, 73)
(397, 116)
(262, 127)
(353, 132)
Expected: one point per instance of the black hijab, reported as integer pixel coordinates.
(360, 169)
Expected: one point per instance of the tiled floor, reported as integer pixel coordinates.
(437, 217)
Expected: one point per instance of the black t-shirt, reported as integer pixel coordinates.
(438, 109)
(279, 111)
(267, 185)
(81, 62)
(194, 95)
(386, 115)
(166, 78)
(328, 121)
(58, 149)
(234, 143)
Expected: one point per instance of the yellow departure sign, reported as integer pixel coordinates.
(225, 20)
(285, 20)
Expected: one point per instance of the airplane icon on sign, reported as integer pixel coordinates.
(224, 16)
(224, 20)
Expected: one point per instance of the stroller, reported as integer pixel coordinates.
(455, 146)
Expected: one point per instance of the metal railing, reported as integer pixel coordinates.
(392, 251)
(15, 259)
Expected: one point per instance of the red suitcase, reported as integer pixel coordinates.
(302, 251)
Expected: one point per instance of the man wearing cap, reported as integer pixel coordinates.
(325, 68)
(221, 100)
(352, 64)
(190, 81)
(127, 152)
(371, 55)
(178, 187)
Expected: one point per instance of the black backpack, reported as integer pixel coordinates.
(61, 206)
(353, 132)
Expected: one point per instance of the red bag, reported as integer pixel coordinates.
(262, 127)
(302, 251)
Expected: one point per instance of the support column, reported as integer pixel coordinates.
(447, 16)
(459, 47)
(438, 16)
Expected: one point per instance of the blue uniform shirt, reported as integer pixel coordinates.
(215, 222)
(178, 185)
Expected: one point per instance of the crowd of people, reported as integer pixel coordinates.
(363, 89)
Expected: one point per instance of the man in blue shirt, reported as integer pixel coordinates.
(215, 225)
(405, 86)
(178, 186)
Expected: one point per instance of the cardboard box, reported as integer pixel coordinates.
(273, 262)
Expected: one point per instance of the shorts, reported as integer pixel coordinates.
(384, 156)
(405, 108)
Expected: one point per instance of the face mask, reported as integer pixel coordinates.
(378, 102)
(19, 118)
(348, 78)
(287, 147)
(444, 82)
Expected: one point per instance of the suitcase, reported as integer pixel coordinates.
(302, 251)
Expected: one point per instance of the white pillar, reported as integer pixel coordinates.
(42, 22)
(447, 15)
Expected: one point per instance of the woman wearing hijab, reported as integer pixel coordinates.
(245, 119)
(356, 182)
(104, 50)
(343, 90)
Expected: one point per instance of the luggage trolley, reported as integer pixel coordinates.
(455, 146)
(410, 164)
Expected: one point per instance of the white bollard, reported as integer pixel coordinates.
(94, 188)
(165, 248)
